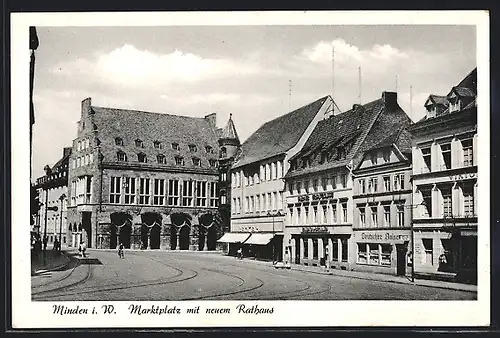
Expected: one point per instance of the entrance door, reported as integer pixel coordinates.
(87, 226)
(400, 259)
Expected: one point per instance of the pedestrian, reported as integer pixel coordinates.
(45, 241)
(56, 246)
(83, 247)
(240, 253)
(120, 250)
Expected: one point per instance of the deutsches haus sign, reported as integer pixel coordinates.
(382, 236)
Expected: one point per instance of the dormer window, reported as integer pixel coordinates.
(387, 156)
(139, 143)
(119, 141)
(121, 156)
(213, 163)
(223, 152)
(141, 157)
(374, 159)
(324, 157)
(209, 150)
(196, 162)
(179, 160)
(161, 159)
(454, 104)
(341, 153)
(175, 146)
(192, 148)
(157, 145)
(305, 161)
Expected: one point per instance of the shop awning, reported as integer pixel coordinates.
(234, 237)
(259, 239)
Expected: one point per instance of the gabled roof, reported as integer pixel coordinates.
(362, 128)
(437, 99)
(229, 131)
(462, 92)
(279, 135)
(63, 161)
(131, 125)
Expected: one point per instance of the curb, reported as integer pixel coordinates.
(211, 252)
(389, 281)
(38, 272)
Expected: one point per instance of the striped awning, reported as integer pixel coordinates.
(234, 237)
(260, 239)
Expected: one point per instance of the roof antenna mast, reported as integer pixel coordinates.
(289, 95)
(333, 78)
(396, 83)
(411, 102)
(359, 84)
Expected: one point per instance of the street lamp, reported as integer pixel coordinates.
(277, 214)
(63, 196)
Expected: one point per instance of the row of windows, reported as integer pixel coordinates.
(448, 201)
(81, 191)
(340, 153)
(318, 184)
(147, 191)
(340, 248)
(445, 159)
(318, 214)
(374, 254)
(259, 203)
(83, 144)
(81, 161)
(372, 220)
(161, 159)
(159, 145)
(389, 183)
(267, 172)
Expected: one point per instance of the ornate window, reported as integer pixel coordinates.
(161, 159)
(121, 156)
(141, 157)
(139, 143)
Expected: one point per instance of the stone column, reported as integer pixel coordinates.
(205, 243)
(330, 249)
(301, 253)
(177, 239)
(149, 238)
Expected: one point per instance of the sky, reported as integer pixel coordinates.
(243, 70)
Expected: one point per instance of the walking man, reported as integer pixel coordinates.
(120, 251)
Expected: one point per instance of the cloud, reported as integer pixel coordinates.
(129, 66)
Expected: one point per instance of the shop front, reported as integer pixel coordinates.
(382, 251)
(445, 253)
(319, 245)
(257, 241)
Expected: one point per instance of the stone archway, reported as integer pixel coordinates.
(150, 230)
(180, 231)
(208, 232)
(121, 228)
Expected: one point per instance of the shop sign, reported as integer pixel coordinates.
(322, 195)
(315, 230)
(303, 198)
(248, 228)
(459, 177)
(384, 236)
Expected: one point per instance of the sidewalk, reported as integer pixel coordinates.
(386, 278)
(374, 276)
(53, 261)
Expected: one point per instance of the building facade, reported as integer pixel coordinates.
(147, 180)
(52, 189)
(229, 147)
(257, 185)
(445, 184)
(319, 194)
(382, 206)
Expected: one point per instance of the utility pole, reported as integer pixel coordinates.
(359, 84)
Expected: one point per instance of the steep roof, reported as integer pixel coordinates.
(357, 130)
(438, 99)
(63, 161)
(229, 131)
(279, 135)
(132, 125)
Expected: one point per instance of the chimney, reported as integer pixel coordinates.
(390, 99)
(358, 108)
(67, 151)
(86, 106)
(212, 120)
(47, 170)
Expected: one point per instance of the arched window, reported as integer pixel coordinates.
(121, 156)
(141, 157)
(139, 143)
(118, 141)
(161, 159)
